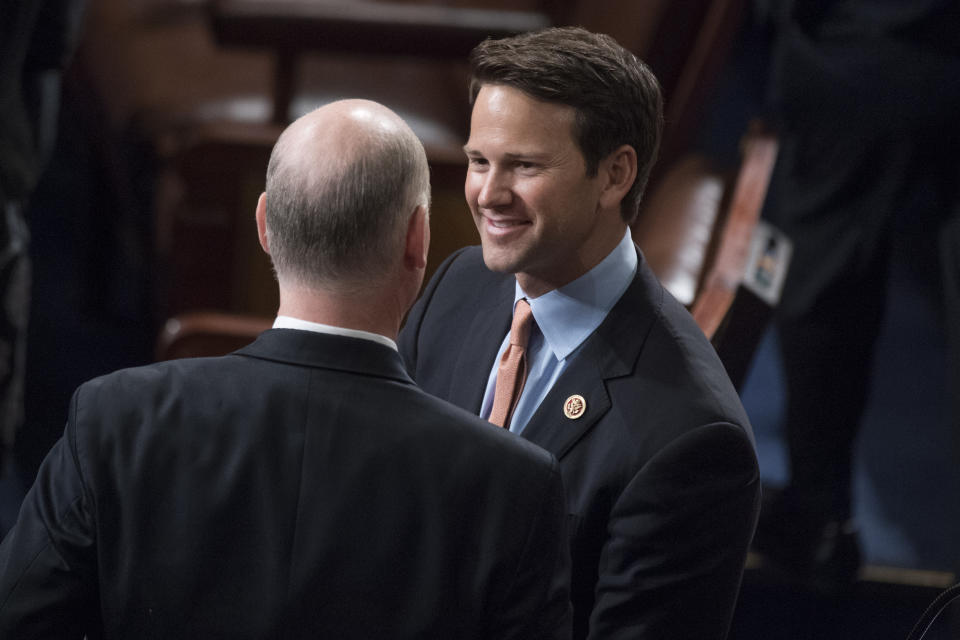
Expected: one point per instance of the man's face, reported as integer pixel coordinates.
(537, 212)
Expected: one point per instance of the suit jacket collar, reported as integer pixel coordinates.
(610, 352)
(312, 349)
(481, 341)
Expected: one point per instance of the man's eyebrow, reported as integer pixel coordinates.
(529, 155)
(509, 155)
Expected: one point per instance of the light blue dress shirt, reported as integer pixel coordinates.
(563, 319)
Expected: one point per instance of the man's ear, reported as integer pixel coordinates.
(262, 222)
(619, 171)
(418, 239)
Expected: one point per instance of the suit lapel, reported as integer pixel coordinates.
(479, 345)
(549, 427)
(610, 352)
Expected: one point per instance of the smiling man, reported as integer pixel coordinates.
(602, 366)
(301, 487)
(528, 189)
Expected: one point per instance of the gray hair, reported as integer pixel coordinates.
(342, 219)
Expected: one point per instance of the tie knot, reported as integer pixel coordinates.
(520, 329)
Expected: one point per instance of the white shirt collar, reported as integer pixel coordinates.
(288, 322)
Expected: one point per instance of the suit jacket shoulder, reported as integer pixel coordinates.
(661, 454)
(303, 484)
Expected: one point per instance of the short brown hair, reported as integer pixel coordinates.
(616, 97)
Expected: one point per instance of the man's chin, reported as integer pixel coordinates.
(496, 261)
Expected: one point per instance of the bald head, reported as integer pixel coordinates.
(341, 185)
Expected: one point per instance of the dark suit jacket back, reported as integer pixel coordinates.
(301, 487)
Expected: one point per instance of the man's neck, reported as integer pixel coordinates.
(370, 311)
(535, 284)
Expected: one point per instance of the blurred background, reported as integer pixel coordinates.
(168, 109)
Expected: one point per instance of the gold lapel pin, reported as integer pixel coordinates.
(574, 407)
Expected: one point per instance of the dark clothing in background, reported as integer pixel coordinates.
(36, 40)
(867, 94)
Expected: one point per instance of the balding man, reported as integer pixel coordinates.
(303, 486)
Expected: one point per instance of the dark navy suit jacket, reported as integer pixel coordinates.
(302, 487)
(660, 471)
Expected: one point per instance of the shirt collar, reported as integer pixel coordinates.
(567, 316)
(288, 322)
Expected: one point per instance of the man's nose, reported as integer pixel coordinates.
(496, 190)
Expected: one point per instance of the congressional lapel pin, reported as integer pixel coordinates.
(574, 407)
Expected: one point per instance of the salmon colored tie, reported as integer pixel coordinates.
(512, 372)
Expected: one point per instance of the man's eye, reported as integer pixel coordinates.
(526, 165)
(478, 161)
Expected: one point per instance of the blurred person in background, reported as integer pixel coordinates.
(37, 39)
(866, 94)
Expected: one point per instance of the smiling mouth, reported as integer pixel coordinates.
(504, 226)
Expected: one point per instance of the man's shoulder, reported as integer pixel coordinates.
(464, 267)
(460, 290)
(675, 363)
(158, 372)
(464, 281)
(139, 388)
(455, 429)
(464, 259)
